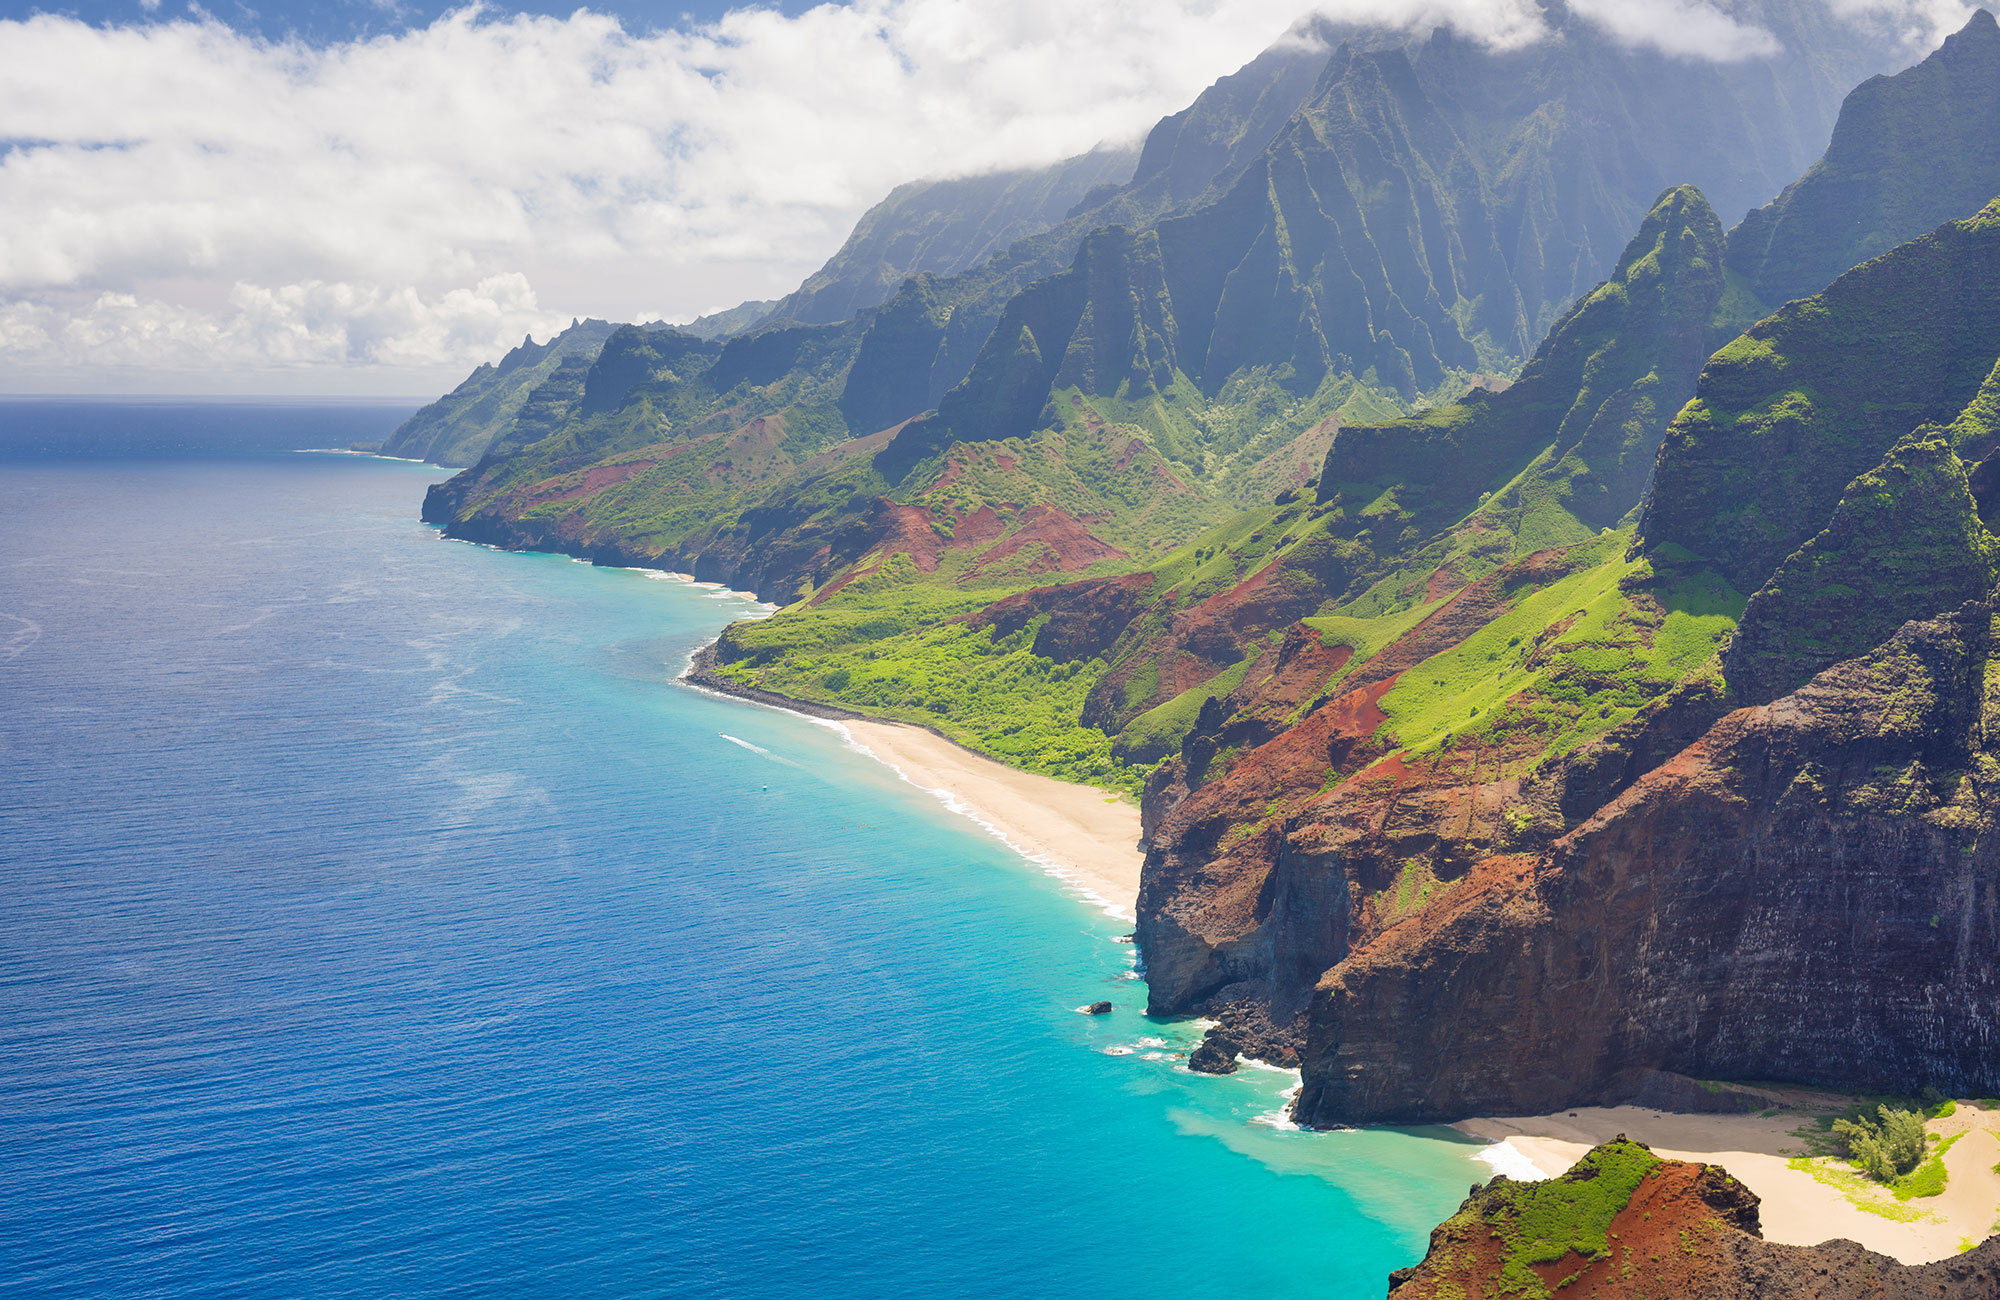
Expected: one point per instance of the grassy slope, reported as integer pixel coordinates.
(1620, 638)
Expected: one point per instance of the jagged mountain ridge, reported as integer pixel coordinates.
(1896, 168)
(1481, 221)
(460, 427)
(1221, 363)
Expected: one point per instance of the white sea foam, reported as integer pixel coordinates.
(1281, 1118)
(1050, 866)
(1506, 1158)
(737, 740)
(1152, 1042)
(21, 639)
(349, 451)
(1118, 1051)
(952, 803)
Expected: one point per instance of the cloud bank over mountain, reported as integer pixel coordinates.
(180, 198)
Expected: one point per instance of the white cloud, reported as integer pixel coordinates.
(1686, 28)
(1921, 24)
(180, 195)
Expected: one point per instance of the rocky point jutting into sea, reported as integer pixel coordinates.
(1548, 630)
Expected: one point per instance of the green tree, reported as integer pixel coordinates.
(1884, 1150)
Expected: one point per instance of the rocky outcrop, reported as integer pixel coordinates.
(1811, 891)
(1215, 1054)
(1623, 1224)
(1082, 620)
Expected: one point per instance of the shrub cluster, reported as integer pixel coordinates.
(1885, 1150)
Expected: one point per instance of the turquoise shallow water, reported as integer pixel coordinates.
(383, 920)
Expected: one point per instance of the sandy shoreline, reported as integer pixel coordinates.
(1085, 835)
(1088, 837)
(1797, 1208)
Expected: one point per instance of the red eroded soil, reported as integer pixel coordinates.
(1444, 580)
(1059, 543)
(590, 482)
(1066, 544)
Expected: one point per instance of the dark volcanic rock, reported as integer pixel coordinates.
(1811, 891)
(1215, 1055)
(1679, 1095)
(1096, 1009)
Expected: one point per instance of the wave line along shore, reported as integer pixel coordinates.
(1085, 836)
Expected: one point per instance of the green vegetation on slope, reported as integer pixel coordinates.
(1566, 449)
(1568, 660)
(895, 646)
(1791, 412)
(1905, 542)
(1909, 153)
(1543, 1222)
(459, 427)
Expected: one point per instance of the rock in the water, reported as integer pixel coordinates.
(1096, 1009)
(1215, 1055)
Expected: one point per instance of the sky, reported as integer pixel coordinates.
(373, 196)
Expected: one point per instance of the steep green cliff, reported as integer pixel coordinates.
(1909, 153)
(458, 428)
(1422, 218)
(1905, 542)
(1566, 449)
(1787, 415)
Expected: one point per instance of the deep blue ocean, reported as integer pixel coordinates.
(379, 918)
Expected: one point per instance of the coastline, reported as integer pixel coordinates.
(1797, 1208)
(1085, 836)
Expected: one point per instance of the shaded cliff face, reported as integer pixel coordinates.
(1897, 168)
(1905, 539)
(1786, 416)
(1807, 892)
(1624, 1224)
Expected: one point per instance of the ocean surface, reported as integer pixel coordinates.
(382, 919)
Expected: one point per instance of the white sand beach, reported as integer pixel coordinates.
(1797, 1207)
(1088, 836)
